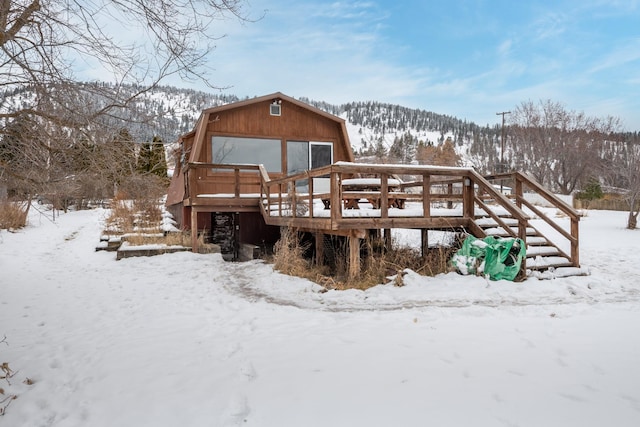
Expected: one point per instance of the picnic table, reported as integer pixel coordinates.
(356, 189)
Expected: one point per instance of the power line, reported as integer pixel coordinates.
(502, 168)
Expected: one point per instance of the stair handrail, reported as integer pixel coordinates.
(574, 216)
(515, 211)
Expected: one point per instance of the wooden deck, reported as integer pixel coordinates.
(432, 198)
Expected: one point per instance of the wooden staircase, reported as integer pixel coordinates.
(543, 236)
(542, 253)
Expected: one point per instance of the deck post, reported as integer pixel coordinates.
(336, 195)
(311, 191)
(467, 198)
(194, 230)
(354, 257)
(519, 194)
(426, 196)
(424, 241)
(575, 250)
(384, 196)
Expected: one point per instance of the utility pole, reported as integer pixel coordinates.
(502, 166)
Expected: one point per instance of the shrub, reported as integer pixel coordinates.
(128, 216)
(288, 255)
(592, 191)
(13, 214)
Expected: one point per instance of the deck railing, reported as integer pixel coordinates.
(198, 184)
(438, 197)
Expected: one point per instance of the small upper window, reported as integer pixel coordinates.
(275, 108)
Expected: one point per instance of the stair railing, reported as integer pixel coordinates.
(525, 183)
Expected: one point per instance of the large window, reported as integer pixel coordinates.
(234, 150)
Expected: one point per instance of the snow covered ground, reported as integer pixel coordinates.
(189, 340)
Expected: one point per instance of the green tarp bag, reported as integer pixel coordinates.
(494, 257)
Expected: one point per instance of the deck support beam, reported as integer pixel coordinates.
(194, 230)
(424, 241)
(354, 257)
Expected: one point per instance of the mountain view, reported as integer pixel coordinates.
(565, 153)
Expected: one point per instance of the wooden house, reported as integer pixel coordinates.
(284, 135)
(252, 167)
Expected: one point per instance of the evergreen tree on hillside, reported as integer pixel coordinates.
(152, 159)
(403, 149)
(143, 164)
(379, 150)
(158, 158)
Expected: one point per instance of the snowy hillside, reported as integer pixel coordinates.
(175, 111)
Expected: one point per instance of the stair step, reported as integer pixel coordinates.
(560, 272)
(543, 263)
(545, 251)
(490, 222)
(500, 232)
(537, 241)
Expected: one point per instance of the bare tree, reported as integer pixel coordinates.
(623, 171)
(42, 42)
(560, 148)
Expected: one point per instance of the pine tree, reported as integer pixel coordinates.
(152, 159)
(379, 150)
(144, 163)
(158, 158)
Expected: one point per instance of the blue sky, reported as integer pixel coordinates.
(469, 59)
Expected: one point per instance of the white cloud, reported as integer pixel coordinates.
(550, 25)
(619, 56)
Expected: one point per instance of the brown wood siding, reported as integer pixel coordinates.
(255, 121)
(254, 230)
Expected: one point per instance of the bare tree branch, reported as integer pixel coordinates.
(137, 43)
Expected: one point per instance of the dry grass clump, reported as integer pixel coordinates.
(129, 216)
(378, 265)
(182, 239)
(288, 255)
(120, 219)
(147, 214)
(437, 260)
(13, 215)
